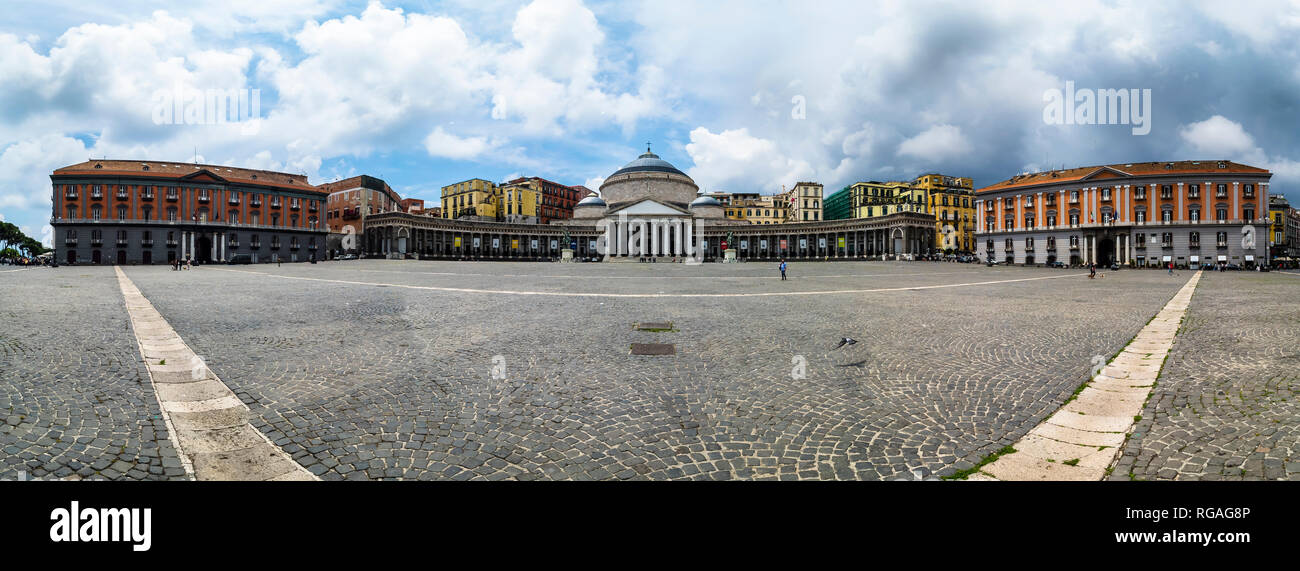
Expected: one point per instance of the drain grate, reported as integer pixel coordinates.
(655, 326)
(653, 349)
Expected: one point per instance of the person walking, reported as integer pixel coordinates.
(782, 270)
(1092, 270)
(1171, 268)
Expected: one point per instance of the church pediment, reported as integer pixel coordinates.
(203, 175)
(649, 208)
(1105, 172)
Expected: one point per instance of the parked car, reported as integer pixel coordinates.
(348, 257)
(1057, 264)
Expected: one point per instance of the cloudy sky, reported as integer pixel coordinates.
(744, 96)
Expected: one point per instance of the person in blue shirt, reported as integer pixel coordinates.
(783, 269)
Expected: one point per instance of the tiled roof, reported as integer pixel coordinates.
(1131, 169)
(178, 170)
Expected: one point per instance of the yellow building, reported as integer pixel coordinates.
(753, 207)
(805, 202)
(518, 201)
(473, 197)
(874, 199)
(952, 201)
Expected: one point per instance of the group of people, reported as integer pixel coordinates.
(25, 261)
(179, 264)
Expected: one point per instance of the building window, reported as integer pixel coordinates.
(1029, 244)
(1221, 214)
(1221, 190)
(1105, 195)
(1051, 243)
(1221, 239)
(1074, 197)
(1193, 191)
(1167, 240)
(1140, 240)
(1010, 245)
(72, 211)
(1140, 192)
(121, 212)
(96, 212)
(1194, 239)
(171, 213)
(1249, 190)
(1074, 219)
(1166, 216)
(1074, 242)
(1248, 213)
(1166, 191)
(1141, 217)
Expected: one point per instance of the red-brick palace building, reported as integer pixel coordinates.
(1188, 213)
(143, 212)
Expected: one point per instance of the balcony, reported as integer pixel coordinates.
(275, 245)
(96, 195)
(255, 244)
(173, 197)
(1196, 245)
(204, 197)
(171, 243)
(311, 207)
(122, 195)
(1074, 246)
(255, 202)
(295, 205)
(234, 199)
(311, 246)
(234, 243)
(275, 203)
(146, 196)
(70, 195)
(146, 242)
(293, 246)
(1139, 196)
(71, 241)
(96, 241)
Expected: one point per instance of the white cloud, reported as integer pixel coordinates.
(938, 143)
(1218, 137)
(440, 143)
(1221, 138)
(25, 169)
(737, 161)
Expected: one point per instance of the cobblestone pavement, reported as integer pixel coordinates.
(1225, 406)
(372, 380)
(75, 398)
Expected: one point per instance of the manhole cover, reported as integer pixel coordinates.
(655, 326)
(653, 349)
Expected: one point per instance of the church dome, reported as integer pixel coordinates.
(648, 162)
(592, 200)
(705, 201)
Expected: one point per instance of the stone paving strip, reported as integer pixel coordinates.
(207, 421)
(1082, 439)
